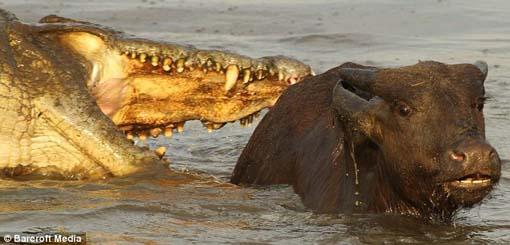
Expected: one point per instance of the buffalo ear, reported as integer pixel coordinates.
(483, 67)
(356, 112)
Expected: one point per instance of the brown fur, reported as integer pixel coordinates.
(403, 162)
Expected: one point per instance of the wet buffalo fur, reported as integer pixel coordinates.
(376, 158)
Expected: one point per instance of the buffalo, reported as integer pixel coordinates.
(408, 140)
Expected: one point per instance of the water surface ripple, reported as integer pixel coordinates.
(201, 207)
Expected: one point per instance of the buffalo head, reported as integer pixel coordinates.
(427, 121)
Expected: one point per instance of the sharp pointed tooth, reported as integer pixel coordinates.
(167, 62)
(129, 135)
(280, 76)
(160, 151)
(180, 65)
(209, 64)
(155, 132)
(250, 119)
(246, 76)
(218, 67)
(218, 125)
(94, 77)
(273, 72)
(189, 64)
(312, 73)
(208, 125)
(231, 77)
(180, 127)
(292, 80)
(155, 60)
(142, 136)
(260, 74)
(169, 132)
(133, 55)
(143, 57)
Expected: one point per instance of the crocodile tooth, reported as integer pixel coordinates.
(155, 132)
(260, 74)
(218, 67)
(250, 119)
(129, 135)
(155, 60)
(133, 55)
(142, 136)
(188, 63)
(208, 125)
(180, 65)
(292, 80)
(231, 77)
(180, 127)
(210, 64)
(160, 151)
(143, 57)
(168, 132)
(218, 125)
(246, 76)
(272, 72)
(280, 76)
(167, 62)
(95, 73)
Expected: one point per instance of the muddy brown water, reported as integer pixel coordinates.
(203, 208)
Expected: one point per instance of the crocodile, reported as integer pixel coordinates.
(75, 94)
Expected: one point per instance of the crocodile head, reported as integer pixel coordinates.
(70, 89)
(149, 87)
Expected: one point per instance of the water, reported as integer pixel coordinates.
(201, 206)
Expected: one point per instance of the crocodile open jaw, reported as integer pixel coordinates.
(153, 88)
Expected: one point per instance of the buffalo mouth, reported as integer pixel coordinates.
(473, 181)
(469, 189)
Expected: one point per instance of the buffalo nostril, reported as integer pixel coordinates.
(492, 154)
(458, 156)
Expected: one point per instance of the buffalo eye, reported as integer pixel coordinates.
(403, 109)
